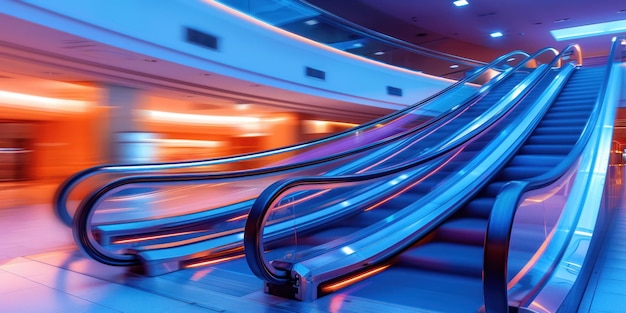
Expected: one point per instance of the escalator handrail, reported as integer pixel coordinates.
(85, 210)
(62, 192)
(500, 225)
(253, 233)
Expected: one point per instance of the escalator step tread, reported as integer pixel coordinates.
(479, 207)
(445, 257)
(554, 122)
(552, 139)
(559, 129)
(522, 172)
(533, 159)
(556, 149)
(470, 231)
(492, 189)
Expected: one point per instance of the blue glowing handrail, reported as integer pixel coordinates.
(498, 236)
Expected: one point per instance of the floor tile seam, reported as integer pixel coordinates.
(136, 287)
(129, 284)
(39, 284)
(606, 252)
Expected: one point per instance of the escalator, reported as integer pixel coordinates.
(167, 241)
(464, 233)
(440, 239)
(80, 185)
(452, 255)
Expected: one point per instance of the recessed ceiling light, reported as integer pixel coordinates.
(311, 22)
(454, 66)
(460, 3)
(510, 59)
(589, 30)
(379, 52)
(496, 34)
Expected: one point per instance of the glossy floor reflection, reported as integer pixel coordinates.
(42, 271)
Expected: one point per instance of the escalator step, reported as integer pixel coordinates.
(532, 160)
(573, 106)
(554, 122)
(479, 207)
(552, 139)
(556, 149)
(493, 188)
(561, 129)
(445, 257)
(569, 97)
(470, 231)
(578, 114)
(521, 172)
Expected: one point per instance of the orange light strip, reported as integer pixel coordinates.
(216, 261)
(341, 284)
(319, 193)
(133, 240)
(237, 218)
(533, 260)
(534, 303)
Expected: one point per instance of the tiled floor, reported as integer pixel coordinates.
(41, 271)
(606, 292)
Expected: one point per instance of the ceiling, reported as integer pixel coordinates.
(57, 64)
(439, 25)
(464, 31)
(46, 62)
